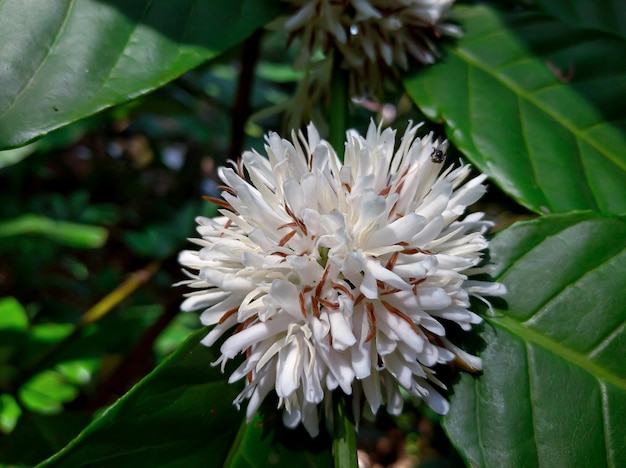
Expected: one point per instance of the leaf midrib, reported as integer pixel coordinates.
(529, 335)
(575, 131)
(43, 61)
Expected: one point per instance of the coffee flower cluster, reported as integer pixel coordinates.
(372, 36)
(329, 275)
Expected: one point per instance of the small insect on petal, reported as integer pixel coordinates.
(437, 156)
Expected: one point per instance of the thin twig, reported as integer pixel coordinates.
(241, 106)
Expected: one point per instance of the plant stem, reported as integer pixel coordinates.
(241, 107)
(338, 108)
(344, 434)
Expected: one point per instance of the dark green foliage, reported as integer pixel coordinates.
(114, 116)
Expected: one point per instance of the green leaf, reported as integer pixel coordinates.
(13, 335)
(551, 136)
(38, 436)
(182, 415)
(65, 60)
(12, 315)
(609, 17)
(269, 444)
(72, 234)
(13, 156)
(10, 412)
(179, 415)
(553, 388)
(46, 392)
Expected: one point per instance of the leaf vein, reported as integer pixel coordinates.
(544, 308)
(531, 398)
(107, 78)
(606, 423)
(606, 341)
(465, 56)
(530, 335)
(531, 159)
(42, 63)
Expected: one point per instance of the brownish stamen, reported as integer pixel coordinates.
(392, 261)
(228, 189)
(302, 303)
(343, 288)
(385, 191)
(302, 299)
(227, 315)
(248, 354)
(282, 226)
(316, 307)
(320, 286)
(371, 318)
(298, 221)
(328, 304)
(218, 202)
(416, 282)
(359, 298)
(280, 254)
(393, 210)
(417, 250)
(286, 238)
(402, 315)
(245, 324)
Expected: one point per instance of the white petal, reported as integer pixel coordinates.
(373, 271)
(341, 331)
(434, 399)
(287, 371)
(401, 230)
(254, 333)
(285, 295)
(198, 301)
(371, 389)
(433, 298)
(361, 361)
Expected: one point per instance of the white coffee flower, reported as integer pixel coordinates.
(328, 275)
(372, 36)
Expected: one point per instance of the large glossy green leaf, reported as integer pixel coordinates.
(553, 389)
(182, 415)
(537, 104)
(66, 59)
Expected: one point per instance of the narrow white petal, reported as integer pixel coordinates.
(284, 295)
(287, 378)
(249, 336)
(341, 331)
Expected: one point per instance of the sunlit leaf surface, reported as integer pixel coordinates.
(65, 60)
(537, 104)
(553, 389)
